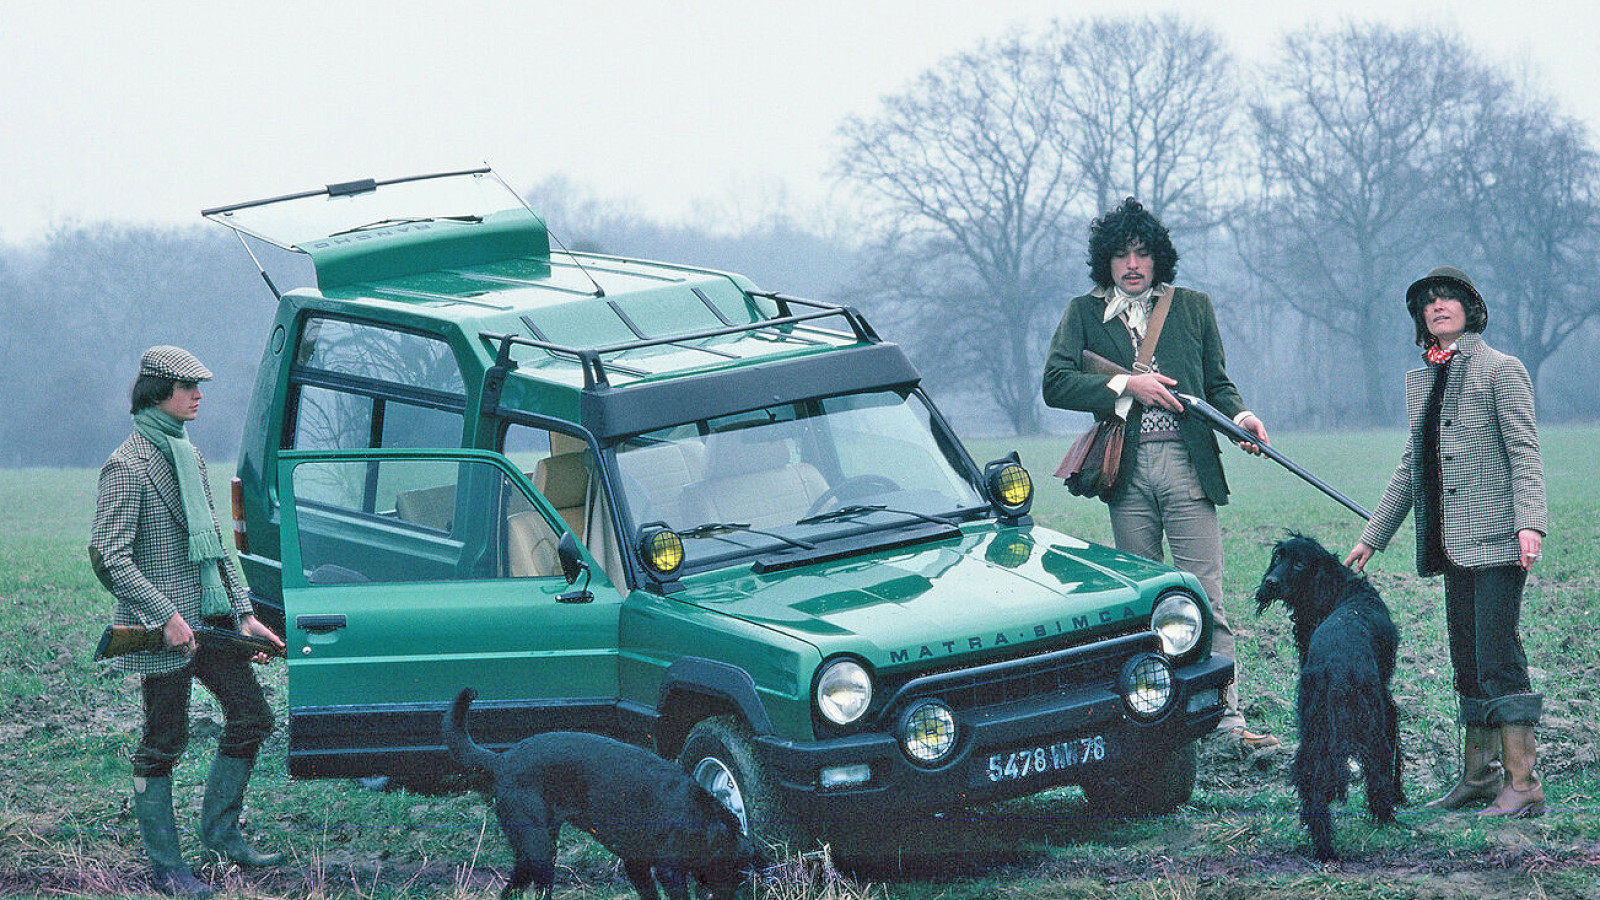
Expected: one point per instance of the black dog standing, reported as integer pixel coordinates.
(1347, 647)
(636, 804)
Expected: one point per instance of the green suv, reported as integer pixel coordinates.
(655, 502)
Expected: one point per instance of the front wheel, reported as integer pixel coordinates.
(1160, 787)
(720, 756)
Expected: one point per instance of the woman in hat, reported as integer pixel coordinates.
(156, 546)
(1471, 470)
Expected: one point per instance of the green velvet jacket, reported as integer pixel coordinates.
(1188, 350)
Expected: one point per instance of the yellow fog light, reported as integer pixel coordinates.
(661, 550)
(1010, 487)
(1147, 686)
(928, 732)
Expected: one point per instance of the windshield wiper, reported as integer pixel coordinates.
(716, 529)
(860, 509)
(385, 223)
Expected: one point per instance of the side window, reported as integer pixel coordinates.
(562, 469)
(406, 520)
(357, 386)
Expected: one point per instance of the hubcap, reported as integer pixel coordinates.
(711, 774)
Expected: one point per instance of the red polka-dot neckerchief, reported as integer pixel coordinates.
(1438, 355)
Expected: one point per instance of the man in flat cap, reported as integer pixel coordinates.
(157, 547)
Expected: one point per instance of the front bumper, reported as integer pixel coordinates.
(1069, 717)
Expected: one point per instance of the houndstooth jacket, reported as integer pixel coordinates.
(1493, 477)
(140, 541)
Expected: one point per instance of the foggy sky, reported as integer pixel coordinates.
(146, 112)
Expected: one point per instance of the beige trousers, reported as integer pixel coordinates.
(1163, 497)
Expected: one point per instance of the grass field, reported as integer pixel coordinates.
(67, 729)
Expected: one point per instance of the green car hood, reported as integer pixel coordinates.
(989, 593)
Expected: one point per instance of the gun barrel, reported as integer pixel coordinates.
(1227, 426)
(233, 640)
(1094, 362)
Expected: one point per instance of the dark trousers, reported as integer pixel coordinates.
(1482, 607)
(247, 720)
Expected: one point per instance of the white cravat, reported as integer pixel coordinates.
(1134, 308)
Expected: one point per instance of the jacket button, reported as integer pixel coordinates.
(1447, 421)
(1450, 491)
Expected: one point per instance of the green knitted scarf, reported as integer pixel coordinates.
(205, 544)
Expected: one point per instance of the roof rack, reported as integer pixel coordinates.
(596, 367)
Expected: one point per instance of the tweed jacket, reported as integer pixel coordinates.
(1188, 350)
(1491, 472)
(140, 540)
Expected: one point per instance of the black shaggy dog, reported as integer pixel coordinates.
(1347, 645)
(636, 804)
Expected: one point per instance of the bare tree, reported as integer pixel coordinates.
(1352, 135)
(92, 298)
(1524, 199)
(963, 173)
(1152, 110)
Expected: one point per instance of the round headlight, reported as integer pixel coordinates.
(1178, 620)
(928, 732)
(1146, 686)
(661, 550)
(844, 691)
(1010, 487)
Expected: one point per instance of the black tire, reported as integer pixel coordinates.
(1147, 790)
(720, 756)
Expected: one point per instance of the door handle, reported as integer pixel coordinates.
(320, 624)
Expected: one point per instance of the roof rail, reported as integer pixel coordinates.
(596, 368)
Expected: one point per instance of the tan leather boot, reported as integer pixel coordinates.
(1481, 774)
(1523, 795)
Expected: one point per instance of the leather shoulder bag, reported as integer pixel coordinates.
(1093, 463)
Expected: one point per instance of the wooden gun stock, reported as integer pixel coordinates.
(1091, 361)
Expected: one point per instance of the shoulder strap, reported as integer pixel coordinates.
(1152, 331)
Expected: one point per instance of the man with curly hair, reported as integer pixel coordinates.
(1172, 480)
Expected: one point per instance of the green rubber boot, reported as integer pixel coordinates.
(219, 813)
(152, 806)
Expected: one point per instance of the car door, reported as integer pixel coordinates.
(411, 574)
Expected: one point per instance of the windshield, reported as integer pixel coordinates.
(297, 219)
(792, 475)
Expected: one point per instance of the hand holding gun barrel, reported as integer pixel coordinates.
(1094, 362)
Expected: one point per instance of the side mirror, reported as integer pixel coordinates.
(572, 565)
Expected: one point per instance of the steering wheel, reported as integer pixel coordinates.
(854, 486)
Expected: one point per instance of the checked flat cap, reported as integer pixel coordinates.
(175, 363)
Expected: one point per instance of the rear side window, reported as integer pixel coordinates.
(357, 386)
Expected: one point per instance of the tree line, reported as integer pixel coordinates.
(1303, 193)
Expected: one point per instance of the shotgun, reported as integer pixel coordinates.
(120, 639)
(1099, 365)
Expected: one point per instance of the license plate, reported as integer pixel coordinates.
(1046, 759)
